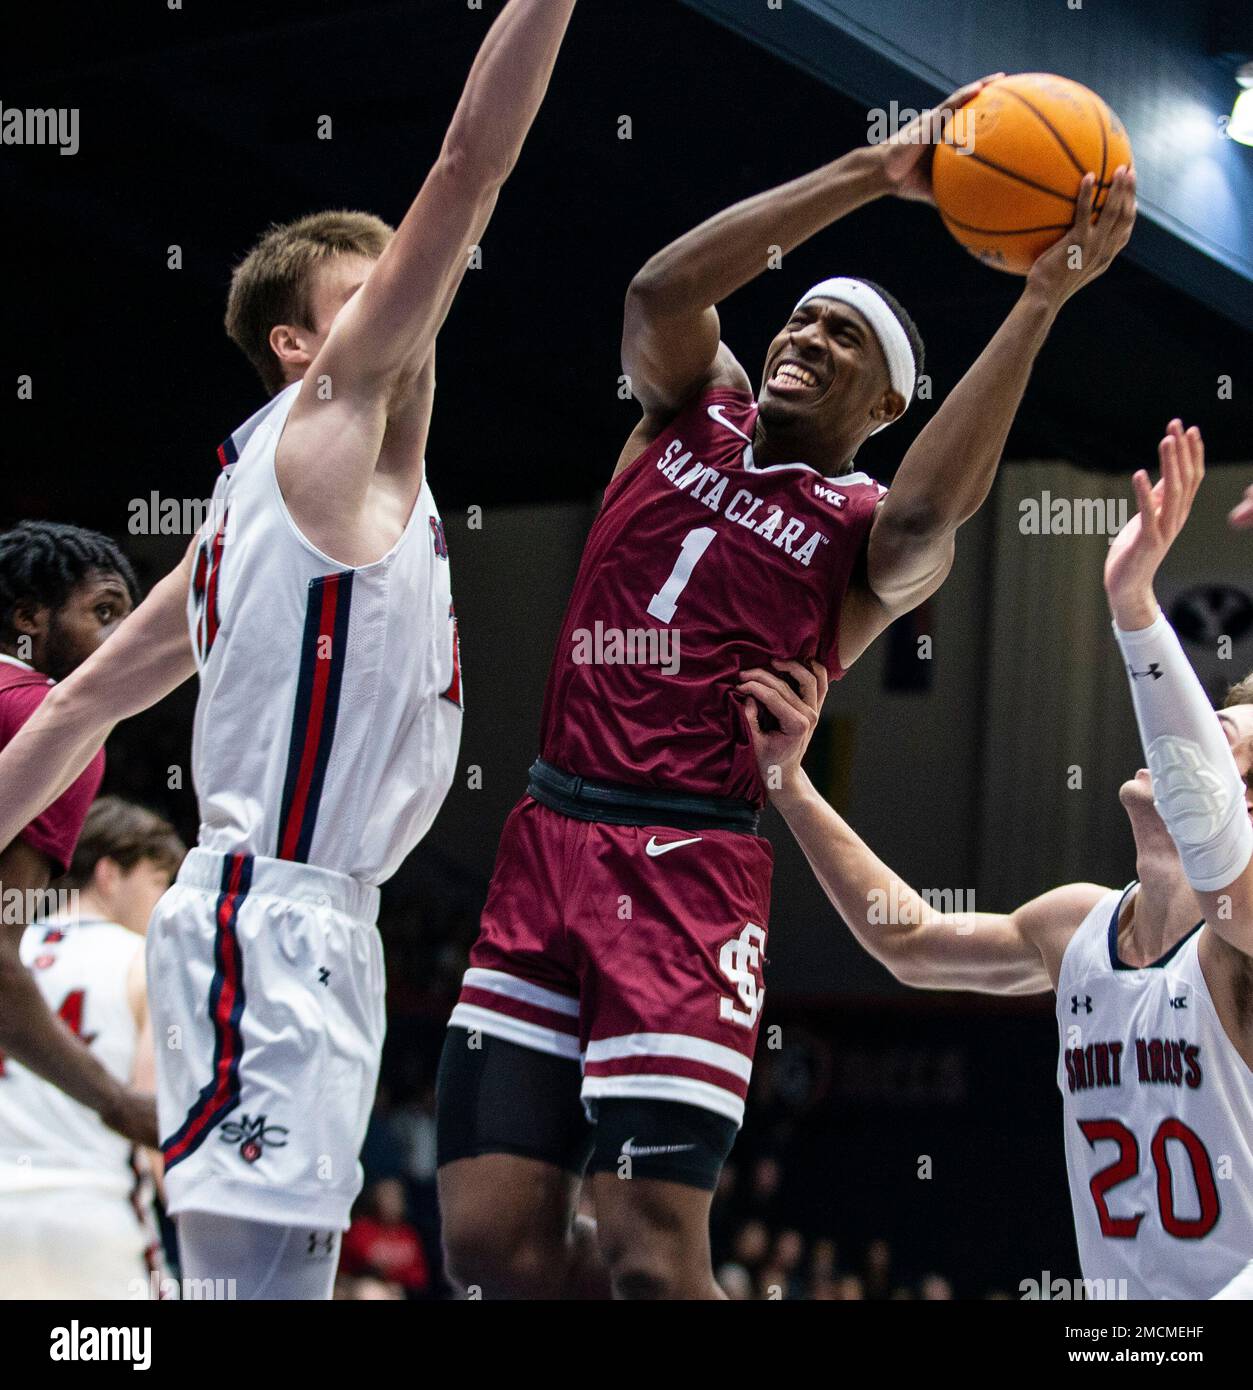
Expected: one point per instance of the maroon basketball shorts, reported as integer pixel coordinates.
(635, 952)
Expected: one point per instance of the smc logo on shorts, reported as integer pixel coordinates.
(253, 1136)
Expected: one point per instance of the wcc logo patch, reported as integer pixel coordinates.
(253, 1136)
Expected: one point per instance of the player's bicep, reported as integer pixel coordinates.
(1047, 923)
(906, 559)
(669, 358)
(985, 952)
(863, 617)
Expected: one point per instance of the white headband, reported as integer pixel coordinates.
(902, 369)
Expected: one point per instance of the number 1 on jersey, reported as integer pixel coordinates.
(663, 603)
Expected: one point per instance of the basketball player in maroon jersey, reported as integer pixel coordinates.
(620, 957)
(63, 592)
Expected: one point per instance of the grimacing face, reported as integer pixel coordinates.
(827, 365)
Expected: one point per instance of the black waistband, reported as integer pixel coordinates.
(584, 799)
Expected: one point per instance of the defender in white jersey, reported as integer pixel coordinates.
(316, 607)
(1158, 1107)
(75, 1197)
(1153, 982)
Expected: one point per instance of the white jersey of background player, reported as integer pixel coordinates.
(1156, 1032)
(321, 624)
(75, 1197)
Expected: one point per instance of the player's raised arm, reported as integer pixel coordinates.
(992, 953)
(1201, 765)
(671, 335)
(948, 471)
(386, 333)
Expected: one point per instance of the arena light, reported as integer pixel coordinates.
(1240, 127)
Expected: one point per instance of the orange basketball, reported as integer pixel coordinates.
(1006, 178)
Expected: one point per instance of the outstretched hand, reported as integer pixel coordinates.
(795, 710)
(1162, 508)
(1089, 247)
(908, 155)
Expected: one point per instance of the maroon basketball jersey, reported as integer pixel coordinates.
(700, 565)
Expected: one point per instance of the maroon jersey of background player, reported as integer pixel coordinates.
(730, 564)
(55, 832)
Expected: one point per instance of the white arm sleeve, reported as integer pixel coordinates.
(1197, 787)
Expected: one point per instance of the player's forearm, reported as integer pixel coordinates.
(882, 911)
(1133, 607)
(702, 268)
(922, 947)
(32, 1036)
(506, 87)
(1197, 786)
(149, 656)
(949, 469)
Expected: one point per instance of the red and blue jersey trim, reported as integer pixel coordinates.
(227, 998)
(323, 657)
(205, 584)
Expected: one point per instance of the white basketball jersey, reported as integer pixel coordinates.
(47, 1139)
(329, 716)
(1158, 1109)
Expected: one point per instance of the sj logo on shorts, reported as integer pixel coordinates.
(253, 1136)
(740, 961)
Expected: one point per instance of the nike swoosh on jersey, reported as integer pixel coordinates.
(653, 849)
(716, 415)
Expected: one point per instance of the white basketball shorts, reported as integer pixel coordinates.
(267, 995)
(72, 1243)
